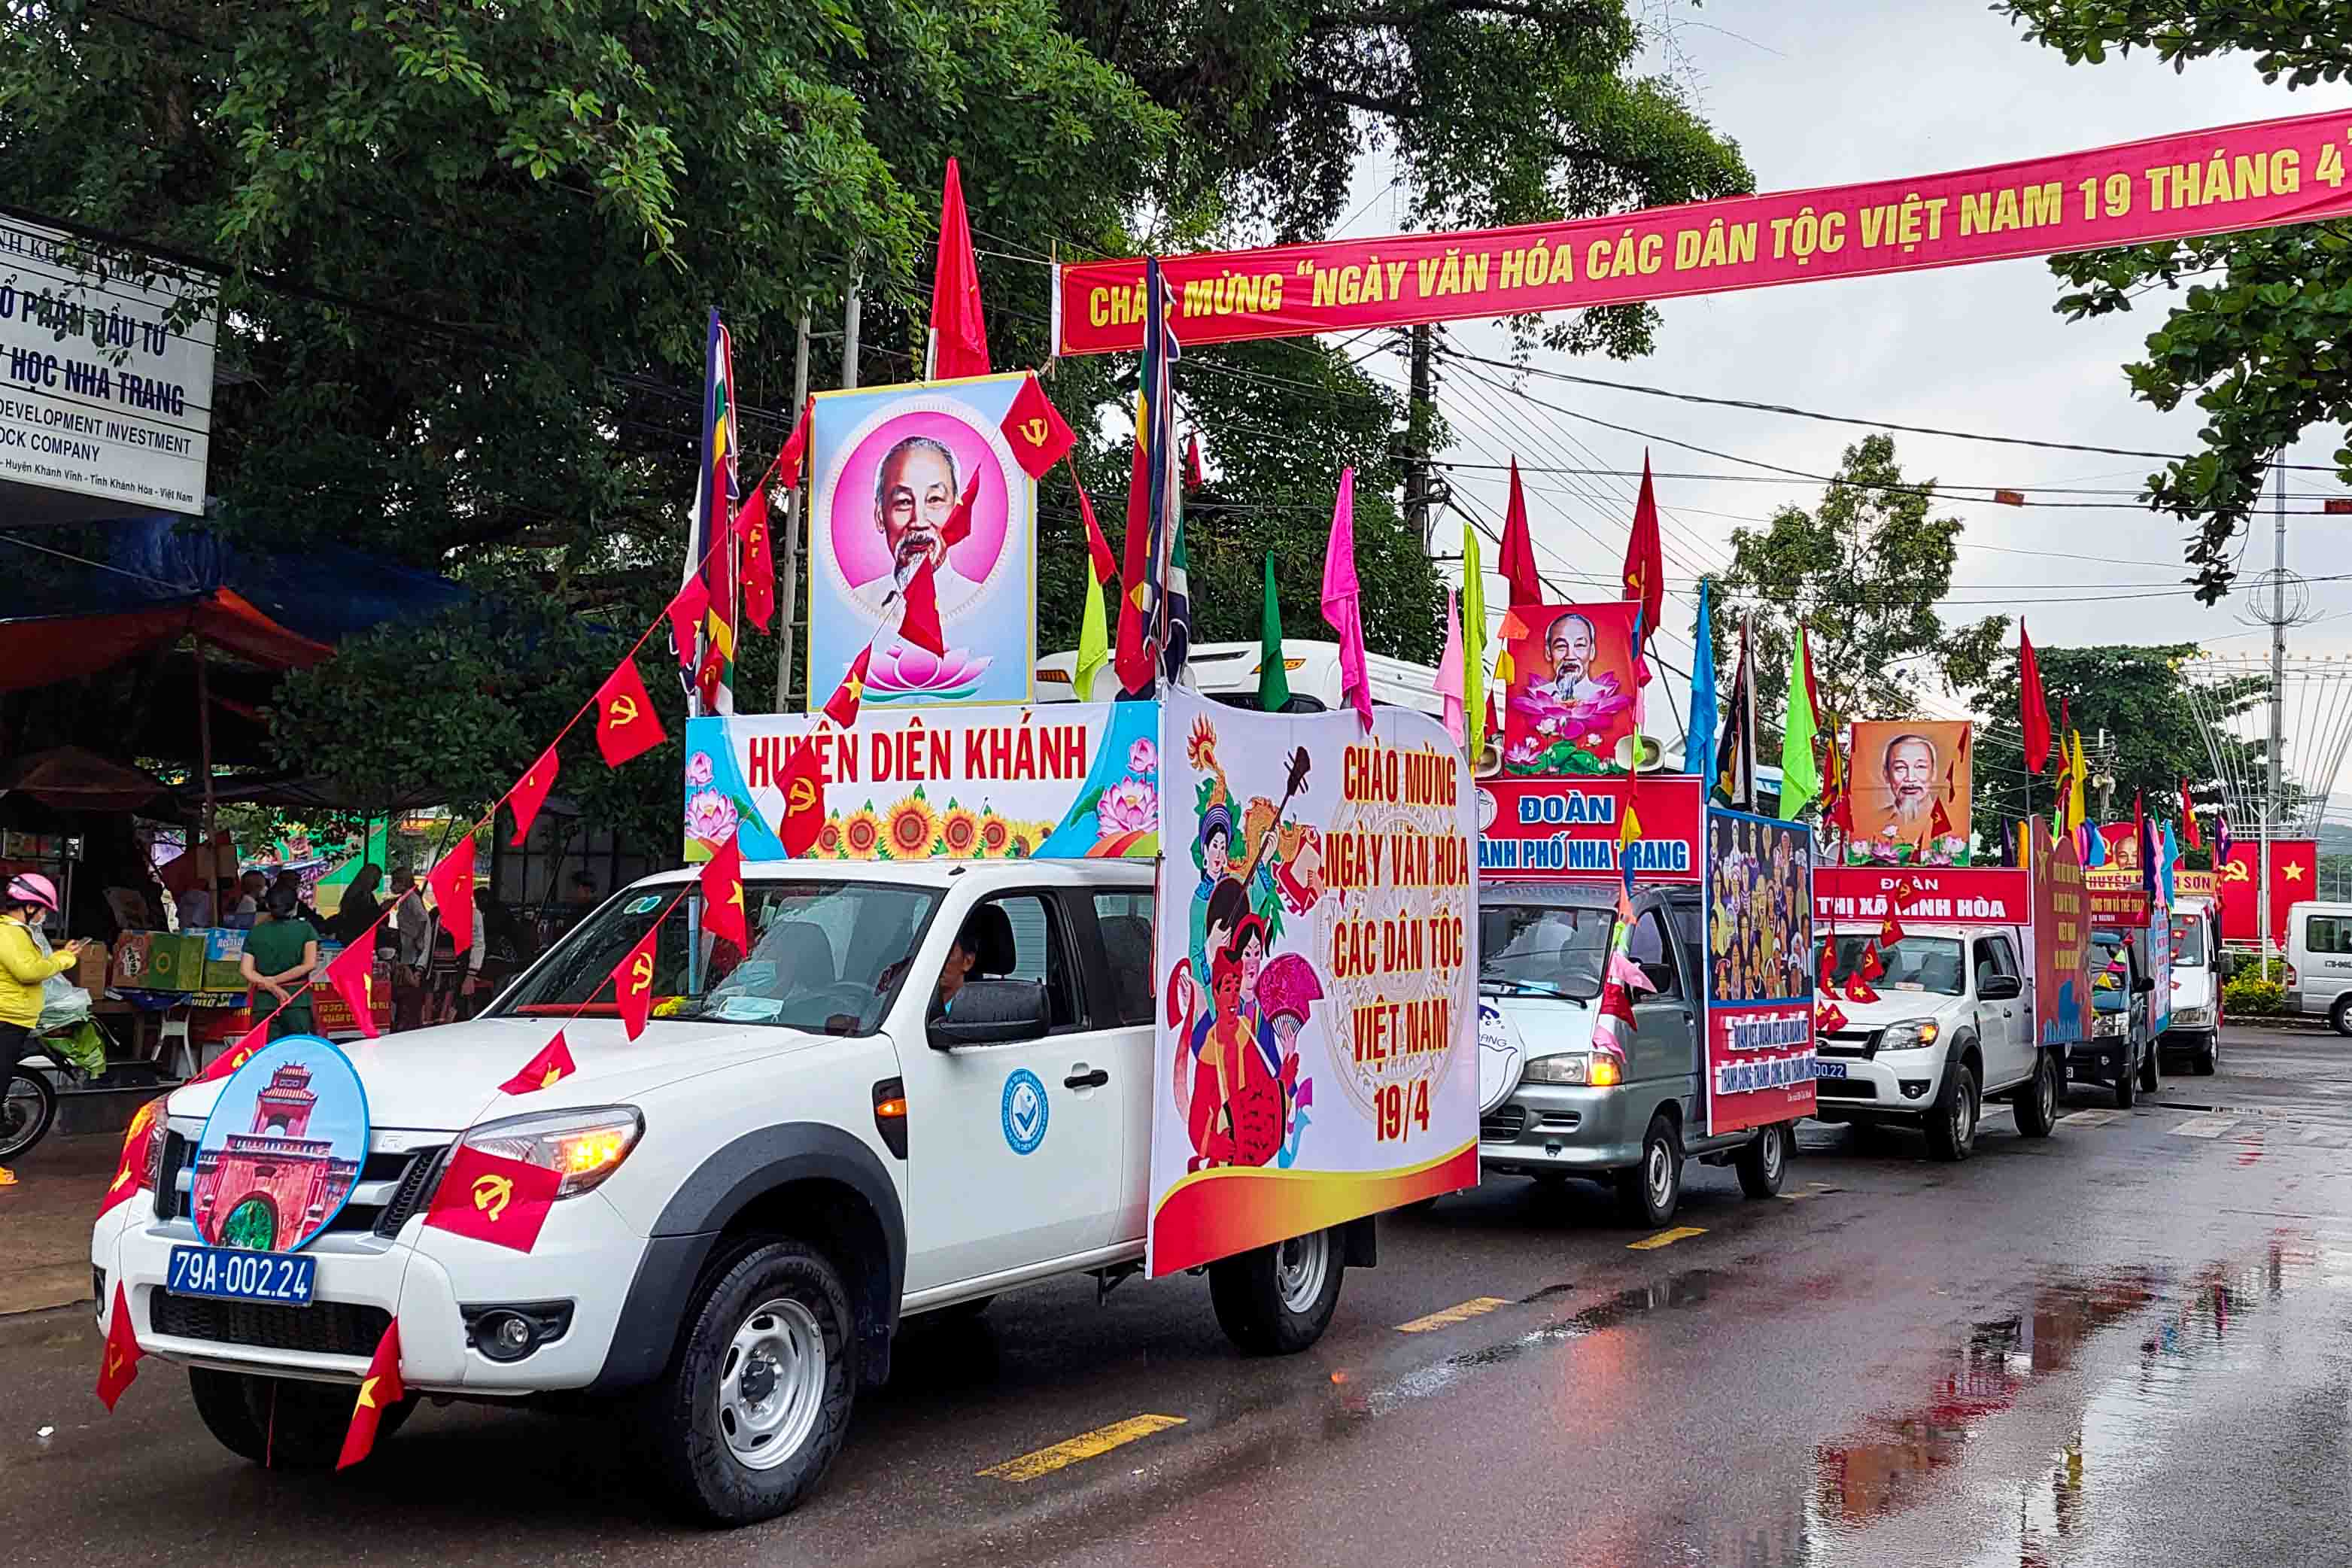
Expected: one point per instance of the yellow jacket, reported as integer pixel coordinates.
(22, 967)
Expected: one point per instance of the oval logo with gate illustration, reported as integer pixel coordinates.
(1024, 1111)
(282, 1149)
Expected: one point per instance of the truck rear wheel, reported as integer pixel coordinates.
(2037, 1103)
(2126, 1087)
(1763, 1163)
(757, 1403)
(1649, 1193)
(1278, 1299)
(1952, 1124)
(2151, 1075)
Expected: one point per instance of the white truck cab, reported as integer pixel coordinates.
(1952, 1027)
(925, 1083)
(2194, 1030)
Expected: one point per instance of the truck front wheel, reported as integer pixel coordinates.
(1952, 1124)
(1649, 1193)
(1278, 1299)
(757, 1402)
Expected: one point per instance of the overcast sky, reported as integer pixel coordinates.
(1843, 92)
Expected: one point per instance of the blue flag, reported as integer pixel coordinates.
(1698, 744)
(2172, 853)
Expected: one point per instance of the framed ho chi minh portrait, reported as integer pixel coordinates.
(886, 466)
(1911, 789)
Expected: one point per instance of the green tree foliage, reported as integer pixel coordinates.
(2134, 694)
(1863, 570)
(2255, 340)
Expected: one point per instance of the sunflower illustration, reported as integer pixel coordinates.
(1027, 837)
(995, 834)
(959, 831)
(828, 838)
(861, 834)
(909, 827)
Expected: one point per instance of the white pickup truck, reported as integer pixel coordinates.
(795, 1156)
(1952, 1027)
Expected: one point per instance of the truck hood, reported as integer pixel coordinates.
(445, 1078)
(1513, 1030)
(1894, 1006)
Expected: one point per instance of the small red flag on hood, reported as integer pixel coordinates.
(380, 1389)
(550, 1067)
(722, 895)
(452, 882)
(492, 1198)
(626, 725)
(117, 1365)
(1039, 435)
(529, 792)
(236, 1056)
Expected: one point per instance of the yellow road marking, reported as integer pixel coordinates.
(1085, 1445)
(1473, 1307)
(1666, 1238)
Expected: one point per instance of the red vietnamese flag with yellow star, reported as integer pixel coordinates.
(353, 971)
(1645, 567)
(633, 983)
(117, 1365)
(685, 611)
(492, 1198)
(626, 725)
(529, 794)
(550, 1067)
(452, 882)
(380, 1389)
(131, 1165)
(842, 706)
(722, 896)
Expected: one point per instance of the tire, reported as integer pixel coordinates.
(2037, 1102)
(2207, 1061)
(1278, 1299)
(2339, 1018)
(2151, 1075)
(1952, 1124)
(2126, 1088)
(1649, 1193)
(1763, 1163)
(25, 1116)
(757, 1403)
(282, 1422)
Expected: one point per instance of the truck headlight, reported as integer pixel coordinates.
(1910, 1034)
(1571, 1066)
(2106, 1023)
(2193, 1017)
(583, 1147)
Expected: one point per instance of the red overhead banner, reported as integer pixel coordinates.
(2255, 175)
(1568, 828)
(1969, 895)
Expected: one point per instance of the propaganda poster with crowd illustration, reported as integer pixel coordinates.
(1316, 975)
(1759, 971)
(1569, 708)
(1911, 784)
(888, 464)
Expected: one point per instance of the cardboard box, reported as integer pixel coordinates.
(224, 959)
(175, 961)
(127, 970)
(91, 972)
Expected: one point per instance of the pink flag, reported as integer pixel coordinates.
(1449, 673)
(959, 336)
(1341, 609)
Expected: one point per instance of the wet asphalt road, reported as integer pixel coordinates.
(2129, 1344)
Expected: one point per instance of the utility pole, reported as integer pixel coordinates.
(1416, 441)
(849, 314)
(792, 584)
(2274, 773)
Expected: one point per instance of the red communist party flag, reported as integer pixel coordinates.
(1518, 559)
(452, 882)
(380, 1389)
(958, 336)
(236, 1056)
(842, 706)
(492, 1198)
(550, 1067)
(118, 1365)
(796, 445)
(686, 612)
(919, 625)
(803, 784)
(633, 983)
(759, 564)
(626, 725)
(722, 895)
(1098, 550)
(2032, 706)
(1646, 565)
(1035, 429)
(529, 794)
(1195, 476)
(352, 972)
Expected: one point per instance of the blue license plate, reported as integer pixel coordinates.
(1828, 1068)
(227, 1274)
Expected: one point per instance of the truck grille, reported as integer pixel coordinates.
(327, 1328)
(1503, 1124)
(412, 1173)
(417, 1184)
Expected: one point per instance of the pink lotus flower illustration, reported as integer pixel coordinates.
(711, 816)
(900, 673)
(1586, 716)
(1143, 758)
(1128, 806)
(697, 769)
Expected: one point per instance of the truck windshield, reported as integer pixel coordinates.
(827, 957)
(2110, 974)
(1537, 949)
(1929, 964)
(2189, 940)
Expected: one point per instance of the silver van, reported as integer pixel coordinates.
(1551, 1107)
(2320, 963)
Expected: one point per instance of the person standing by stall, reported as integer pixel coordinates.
(24, 970)
(359, 908)
(412, 946)
(279, 958)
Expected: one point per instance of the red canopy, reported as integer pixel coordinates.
(43, 650)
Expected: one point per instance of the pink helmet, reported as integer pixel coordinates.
(30, 889)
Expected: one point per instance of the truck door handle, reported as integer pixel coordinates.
(1094, 1079)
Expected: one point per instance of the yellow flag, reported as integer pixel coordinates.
(2075, 813)
(1474, 643)
(1094, 641)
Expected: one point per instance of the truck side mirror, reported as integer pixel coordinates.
(2002, 988)
(2143, 985)
(992, 1013)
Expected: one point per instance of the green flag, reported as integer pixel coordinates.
(1474, 643)
(1273, 677)
(1801, 781)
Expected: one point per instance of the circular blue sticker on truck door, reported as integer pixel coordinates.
(1024, 1111)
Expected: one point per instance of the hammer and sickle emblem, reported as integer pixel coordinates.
(803, 795)
(623, 710)
(641, 973)
(2235, 871)
(1034, 432)
(491, 1195)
